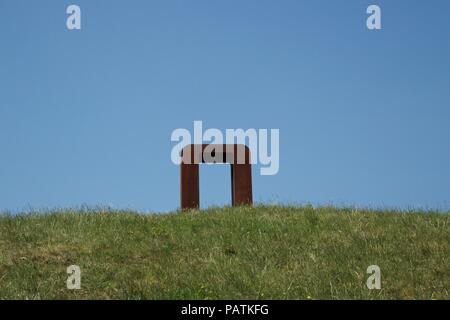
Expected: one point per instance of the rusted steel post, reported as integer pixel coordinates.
(237, 155)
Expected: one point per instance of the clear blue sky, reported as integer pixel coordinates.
(86, 116)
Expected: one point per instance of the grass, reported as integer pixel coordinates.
(242, 253)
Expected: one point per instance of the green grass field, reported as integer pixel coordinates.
(242, 253)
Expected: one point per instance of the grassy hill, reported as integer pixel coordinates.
(242, 253)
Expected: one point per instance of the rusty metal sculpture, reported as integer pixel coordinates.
(238, 155)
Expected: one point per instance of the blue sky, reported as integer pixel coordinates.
(86, 116)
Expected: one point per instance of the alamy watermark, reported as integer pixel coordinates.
(73, 21)
(256, 140)
(74, 279)
(374, 280)
(374, 20)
